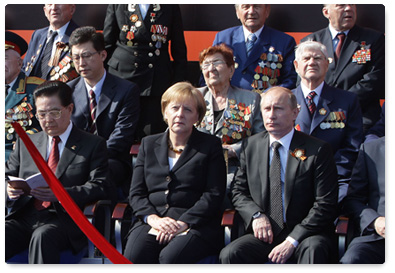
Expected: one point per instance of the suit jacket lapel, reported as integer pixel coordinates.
(161, 151)
(69, 152)
(189, 152)
(323, 102)
(292, 167)
(42, 144)
(304, 118)
(82, 97)
(240, 48)
(351, 44)
(263, 188)
(106, 96)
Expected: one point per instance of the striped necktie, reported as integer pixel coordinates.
(310, 103)
(93, 106)
(250, 43)
(47, 55)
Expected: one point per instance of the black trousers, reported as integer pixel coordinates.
(250, 250)
(39, 231)
(364, 252)
(142, 248)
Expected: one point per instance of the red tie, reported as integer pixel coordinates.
(93, 105)
(310, 103)
(341, 37)
(53, 160)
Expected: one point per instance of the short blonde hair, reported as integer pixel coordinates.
(184, 91)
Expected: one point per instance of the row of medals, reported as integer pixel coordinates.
(334, 121)
(363, 55)
(267, 71)
(22, 114)
(236, 120)
(159, 32)
(60, 71)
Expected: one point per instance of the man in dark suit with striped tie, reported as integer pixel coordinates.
(326, 112)
(105, 104)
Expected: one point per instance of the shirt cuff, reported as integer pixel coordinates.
(292, 241)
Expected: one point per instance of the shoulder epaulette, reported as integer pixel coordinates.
(34, 80)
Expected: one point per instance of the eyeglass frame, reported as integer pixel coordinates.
(216, 63)
(85, 56)
(51, 114)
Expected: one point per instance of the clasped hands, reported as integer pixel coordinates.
(263, 231)
(40, 193)
(167, 227)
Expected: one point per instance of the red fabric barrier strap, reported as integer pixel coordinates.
(68, 203)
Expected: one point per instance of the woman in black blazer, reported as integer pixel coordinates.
(178, 186)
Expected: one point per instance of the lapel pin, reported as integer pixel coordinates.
(73, 147)
(322, 111)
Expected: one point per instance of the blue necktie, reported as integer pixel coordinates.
(250, 43)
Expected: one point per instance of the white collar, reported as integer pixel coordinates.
(285, 140)
(306, 90)
(98, 87)
(334, 32)
(61, 31)
(247, 33)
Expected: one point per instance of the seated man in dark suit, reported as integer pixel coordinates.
(377, 130)
(263, 55)
(357, 57)
(365, 204)
(78, 159)
(326, 112)
(285, 191)
(105, 105)
(48, 55)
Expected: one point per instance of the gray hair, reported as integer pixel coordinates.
(302, 47)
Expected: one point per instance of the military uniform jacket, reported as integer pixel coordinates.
(270, 62)
(192, 191)
(241, 117)
(64, 70)
(82, 170)
(363, 77)
(139, 49)
(19, 106)
(338, 121)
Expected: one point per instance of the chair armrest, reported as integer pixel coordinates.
(120, 216)
(341, 232)
(227, 222)
(228, 217)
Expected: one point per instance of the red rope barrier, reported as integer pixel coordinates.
(68, 203)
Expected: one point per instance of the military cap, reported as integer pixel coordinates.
(15, 42)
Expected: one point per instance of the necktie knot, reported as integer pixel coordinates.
(56, 140)
(92, 94)
(310, 102)
(276, 145)
(311, 95)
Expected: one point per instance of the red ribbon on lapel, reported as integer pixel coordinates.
(68, 203)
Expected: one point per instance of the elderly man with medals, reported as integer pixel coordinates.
(19, 88)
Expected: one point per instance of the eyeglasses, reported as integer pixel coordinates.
(54, 114)
(85, 56)
(215, 63)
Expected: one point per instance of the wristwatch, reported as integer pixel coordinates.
(256, 215)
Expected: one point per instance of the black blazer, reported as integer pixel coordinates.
(366, 80)
(116, 115)
(83, 179)
(191, 192)
(310, 184)
(365, 200)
